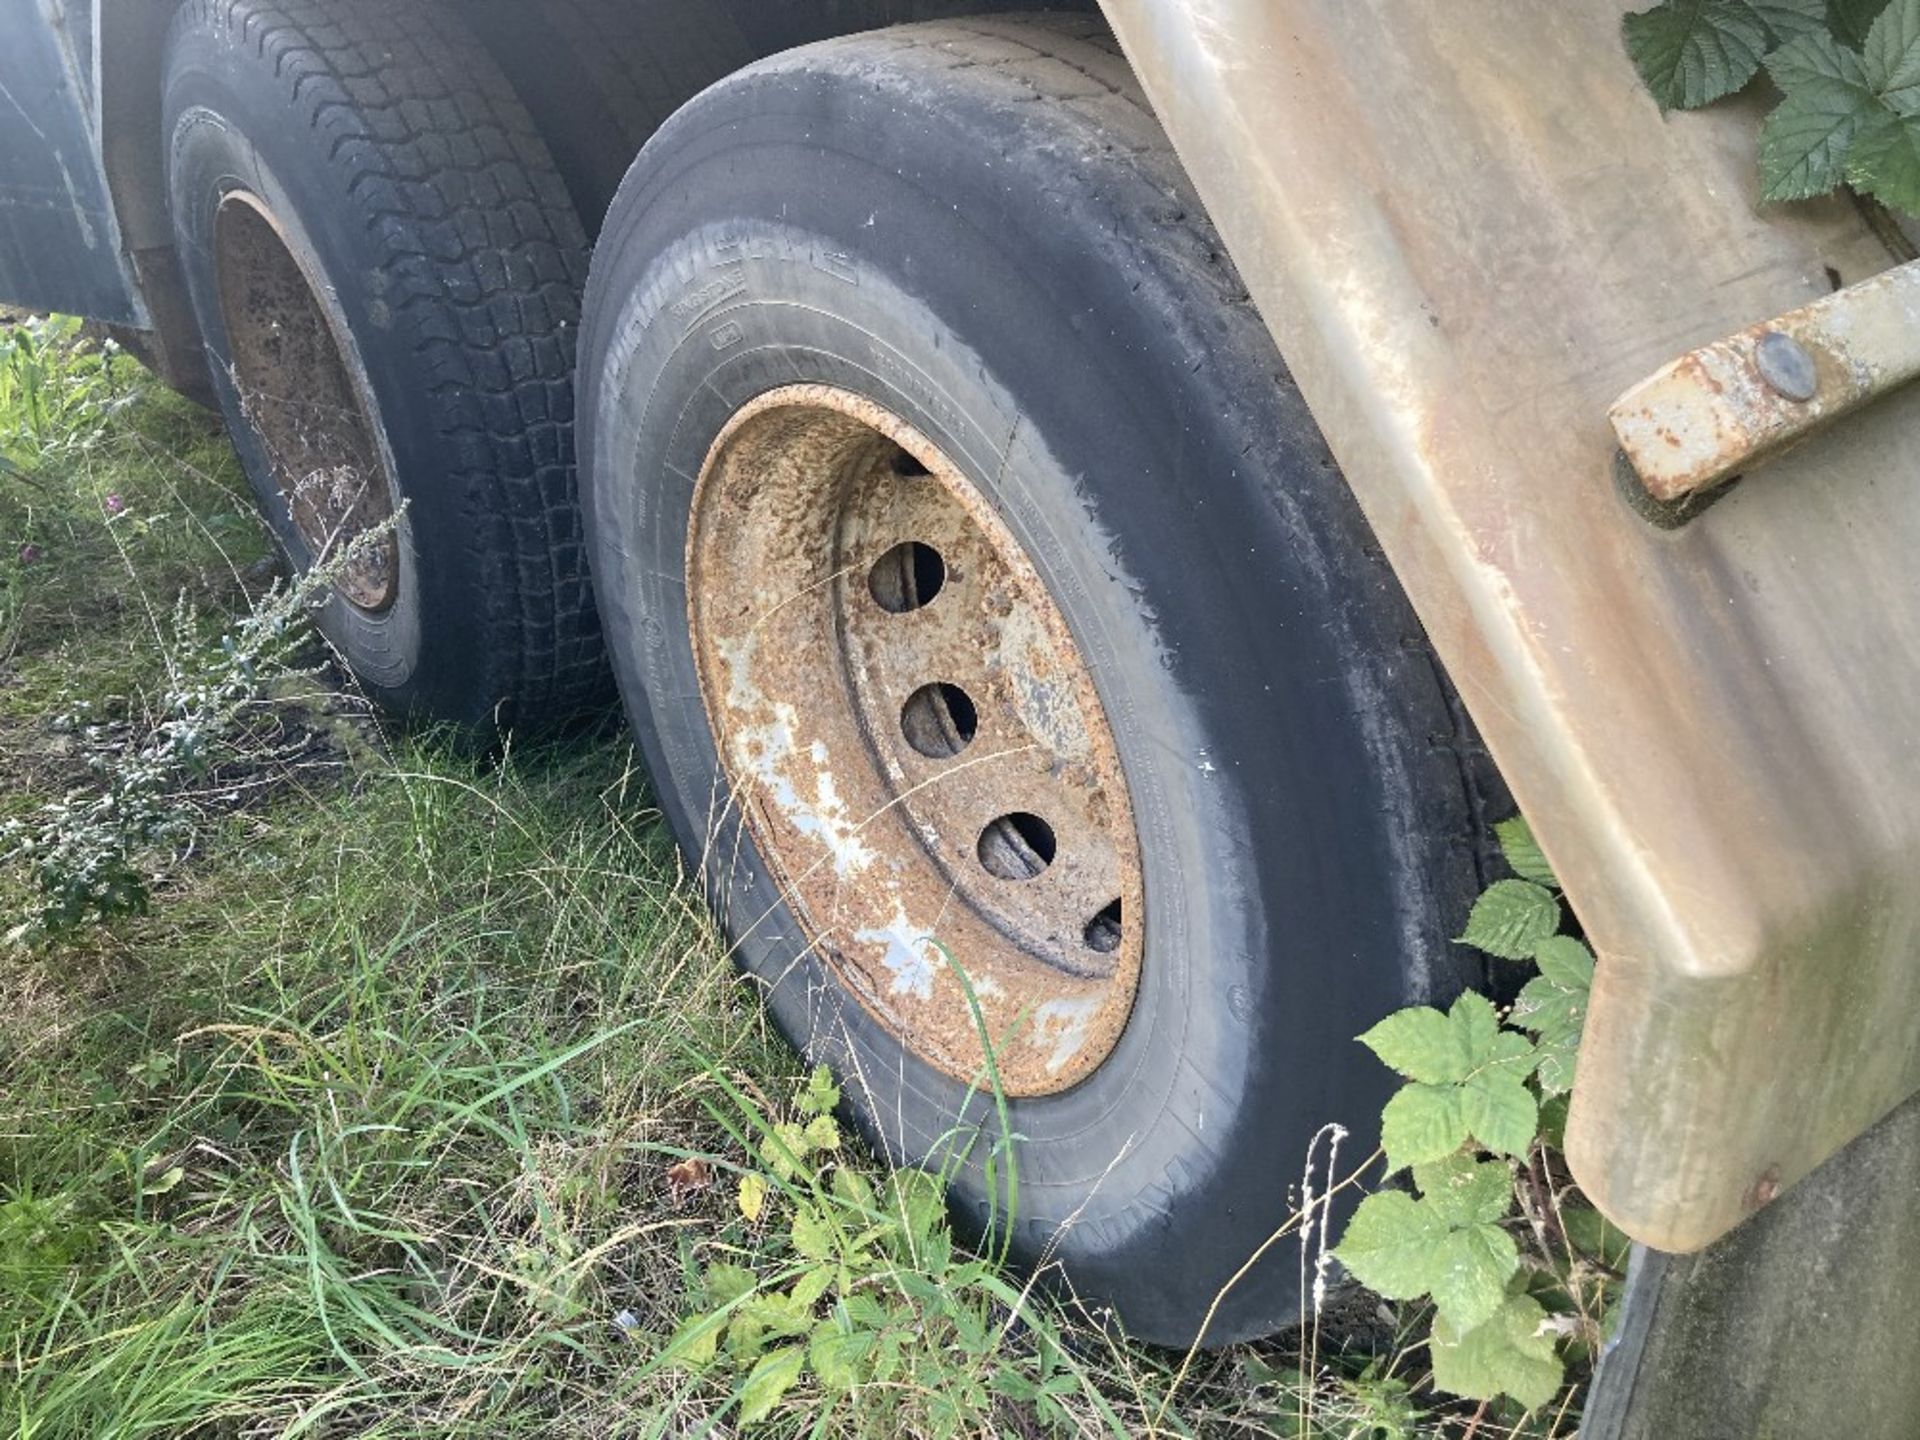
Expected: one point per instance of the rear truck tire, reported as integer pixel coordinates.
(386, 270)
(1009, 655)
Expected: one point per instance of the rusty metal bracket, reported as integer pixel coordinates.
(1716, 410)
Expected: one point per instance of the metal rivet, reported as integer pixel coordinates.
(1783, 362)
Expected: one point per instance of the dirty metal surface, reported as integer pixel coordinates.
(59, 246)
(1720, 408)
(913, 740)
(1470, 231)
(304, 401)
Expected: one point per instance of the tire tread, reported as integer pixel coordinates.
(482, 262)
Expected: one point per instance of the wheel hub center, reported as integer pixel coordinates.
(302, 401)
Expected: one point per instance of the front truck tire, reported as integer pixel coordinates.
(386, 270)
(1022, 583)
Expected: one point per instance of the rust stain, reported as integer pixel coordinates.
(1764, 1190)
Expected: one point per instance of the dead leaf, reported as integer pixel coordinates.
(689, 1177)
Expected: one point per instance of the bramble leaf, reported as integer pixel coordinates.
(922, 1201)
(1553, 1121)
(1421, 1044)
(1522, 852)
(1559, 1044)
(1510, 918)
(1850, 20)
(1422, 1124)
(1553, 1005)
(785, 1150)
(1885, 161)
(780, 1313)
(1814, 60)
(1507, 1354)
(1477, 1087)
(936, 1254)
(1565, 961)
(1466, 1192)
(1511, 1054)
(1477, 1025)
(745, 1336)
(1475, 1260)
(917, 1200)
(1692, 52)
(1892, 56)
(1547, 1008)
(1389, 1245)
(1500, 1111)
(1404, 1248)
(1789, 19)
(1805, 141)
(775, 1373)
(1471, 1268)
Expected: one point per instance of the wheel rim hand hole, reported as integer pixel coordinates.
(939, 721)
(907, 464)
(907, 577)
(1103, 931)
(1018, 846)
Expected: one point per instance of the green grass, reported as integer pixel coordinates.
(366, 1127)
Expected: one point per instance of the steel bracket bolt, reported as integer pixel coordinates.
(1783, 362)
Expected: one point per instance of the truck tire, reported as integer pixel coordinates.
(386, 271)
(968, 560)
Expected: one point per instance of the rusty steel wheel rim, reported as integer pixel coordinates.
(304, 400)
(914, 740)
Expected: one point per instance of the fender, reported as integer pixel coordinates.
(58, 236)
(1471, 230)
